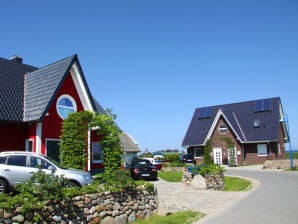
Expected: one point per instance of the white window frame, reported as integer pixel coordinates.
(195, 152)
(261, 148)
(95, 147)
(223, 128)
(51, 140)
(74, 105)
(27, 144)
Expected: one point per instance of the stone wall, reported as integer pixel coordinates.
(215, 181)
(106, 207)
(279, 164)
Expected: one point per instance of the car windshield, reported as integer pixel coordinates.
(56, 163)
(144, 162)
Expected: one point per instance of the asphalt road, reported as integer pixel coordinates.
(275, 200)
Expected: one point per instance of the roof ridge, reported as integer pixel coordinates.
(20, 64)
(59, 61)
(227, 104)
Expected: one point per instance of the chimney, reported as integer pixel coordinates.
(17, 59)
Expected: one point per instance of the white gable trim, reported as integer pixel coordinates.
(80, 87)
(213, 126)
(239, 127)
(283, 123)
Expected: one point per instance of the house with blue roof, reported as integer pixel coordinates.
(35, 101)
(239, 133)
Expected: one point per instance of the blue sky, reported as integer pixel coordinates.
(153, 62)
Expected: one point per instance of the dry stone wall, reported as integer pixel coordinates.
(279, 164)
(213, 181)
(106, 207)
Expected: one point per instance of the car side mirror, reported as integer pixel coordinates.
(52, 168)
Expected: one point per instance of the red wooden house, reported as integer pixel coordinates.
(35, 101)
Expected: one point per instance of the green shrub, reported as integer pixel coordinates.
(117, 180)
(172, 157)
(206, 152)
(32, 194)
(44, 186)
(176, 163)
(204, 169)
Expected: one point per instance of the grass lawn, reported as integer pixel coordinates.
(236, 184)
(185, 217)
(231, 183)
(294, 154)
(170, 176)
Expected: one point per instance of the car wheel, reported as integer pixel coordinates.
(3, 186)
(71, 184)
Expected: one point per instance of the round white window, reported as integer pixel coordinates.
(65, 106)
(223, 128)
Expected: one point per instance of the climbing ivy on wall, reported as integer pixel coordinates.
(230, 147)
(207, 152)
(228, 141)
(110, 140)
(74, 139)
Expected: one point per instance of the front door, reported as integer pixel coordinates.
(232, 158)
(217, 156)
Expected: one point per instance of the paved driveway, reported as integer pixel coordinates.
(271, 200)
(275, 201)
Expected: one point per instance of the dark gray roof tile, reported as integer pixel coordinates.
(12, 89)
(26, 92)
(41, 86)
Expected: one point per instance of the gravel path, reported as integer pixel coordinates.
(175, 197)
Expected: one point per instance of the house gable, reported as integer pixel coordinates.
(41, 87)
(214, 127)
(241, 118)
(52, 122)
(81, 87)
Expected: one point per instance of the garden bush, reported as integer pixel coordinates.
(46, 187)
(204, 169)
(172, 157)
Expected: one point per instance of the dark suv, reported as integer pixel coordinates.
(142, 169)
(187, 158)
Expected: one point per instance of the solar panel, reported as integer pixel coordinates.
(259, 105)
(266, 105)
(205, 112)
(262, 105)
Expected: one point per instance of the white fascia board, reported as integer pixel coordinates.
(80, 87)
(258, 142)
(187, 146)
(282, 123)
(213, 126)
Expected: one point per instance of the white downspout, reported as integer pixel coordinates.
(89, 150)
(38, 137)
